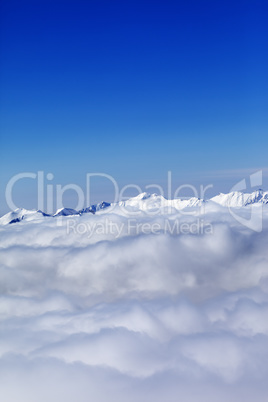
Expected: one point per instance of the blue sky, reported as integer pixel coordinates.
(134, 90)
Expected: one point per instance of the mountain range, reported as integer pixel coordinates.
(144, 202)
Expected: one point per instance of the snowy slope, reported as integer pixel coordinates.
(66, 212)
(21, 214)
(95, 208)
(239, 199)
(145, 201)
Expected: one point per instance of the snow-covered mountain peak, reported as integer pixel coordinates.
(66, 212)
(21, 214)
(142, 196)
(238, 199)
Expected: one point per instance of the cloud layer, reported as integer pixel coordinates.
(133, 316)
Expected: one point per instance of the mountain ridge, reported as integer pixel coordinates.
(144, 201)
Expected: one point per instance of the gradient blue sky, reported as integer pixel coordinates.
(133, 89)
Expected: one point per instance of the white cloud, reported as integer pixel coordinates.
(133, 317)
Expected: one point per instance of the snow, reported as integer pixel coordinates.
(21, 214)
(238, 199)
(66, 212)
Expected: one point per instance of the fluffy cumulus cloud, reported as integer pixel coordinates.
(121, 307)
